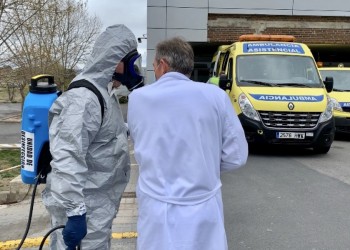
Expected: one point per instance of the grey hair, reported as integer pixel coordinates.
(177, 53)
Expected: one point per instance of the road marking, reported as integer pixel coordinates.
(35, 242)
(125, 235)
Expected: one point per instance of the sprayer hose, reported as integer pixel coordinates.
(47, 235)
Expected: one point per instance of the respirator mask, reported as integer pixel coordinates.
(132, 77)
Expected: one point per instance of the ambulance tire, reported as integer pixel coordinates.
(321, 149)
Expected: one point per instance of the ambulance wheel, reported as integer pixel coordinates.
(321, 149)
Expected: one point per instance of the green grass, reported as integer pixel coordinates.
(10, 158)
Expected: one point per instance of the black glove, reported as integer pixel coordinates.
(74, 231)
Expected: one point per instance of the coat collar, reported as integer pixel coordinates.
(172, 76)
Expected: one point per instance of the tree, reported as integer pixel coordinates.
(24, 9)
(53, 41)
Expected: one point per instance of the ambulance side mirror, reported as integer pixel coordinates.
(224, 82)
(328, 82)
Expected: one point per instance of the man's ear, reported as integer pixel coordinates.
(165, 66)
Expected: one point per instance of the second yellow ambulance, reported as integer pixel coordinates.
(340, 96)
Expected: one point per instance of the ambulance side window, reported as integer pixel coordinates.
(211, 69)
(226, 75)
(224, 62)
(217, 64)
(230, 69)
(221, 62)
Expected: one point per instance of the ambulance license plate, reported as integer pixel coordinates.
(290, 135)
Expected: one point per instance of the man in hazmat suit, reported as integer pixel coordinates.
(185, 135)
(90, 157)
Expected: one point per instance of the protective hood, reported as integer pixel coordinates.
(109, 49)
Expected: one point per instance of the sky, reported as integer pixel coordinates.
(132, 13)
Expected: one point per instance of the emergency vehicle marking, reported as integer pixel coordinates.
(344, 104)
(273, 47)
(288, 98)
(27, 151)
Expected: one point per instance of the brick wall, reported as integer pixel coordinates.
(226, 28)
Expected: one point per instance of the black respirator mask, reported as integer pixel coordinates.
(132, 77)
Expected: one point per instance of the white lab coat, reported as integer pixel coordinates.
(185, 134)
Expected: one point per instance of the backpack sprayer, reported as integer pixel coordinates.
(35, 148)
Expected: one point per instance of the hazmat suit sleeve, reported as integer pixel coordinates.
(74, 120)
(235, 146)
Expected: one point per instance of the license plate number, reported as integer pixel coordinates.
(290, 135)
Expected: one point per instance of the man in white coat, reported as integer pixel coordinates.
(185, 135)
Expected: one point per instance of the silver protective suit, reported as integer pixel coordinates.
(90, 165)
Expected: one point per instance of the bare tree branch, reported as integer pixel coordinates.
(54, 37)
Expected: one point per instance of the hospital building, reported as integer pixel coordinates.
(321, 24)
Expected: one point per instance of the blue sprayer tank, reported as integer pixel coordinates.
(35, 150)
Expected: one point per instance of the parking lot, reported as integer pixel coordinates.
(282, 199)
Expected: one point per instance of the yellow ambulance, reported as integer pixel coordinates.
(276, 89)
(340, 96)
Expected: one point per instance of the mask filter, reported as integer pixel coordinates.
(132, 77)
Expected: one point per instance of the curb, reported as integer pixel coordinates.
(35, 242)
(15, 193)
(12, 119)
(18, 191)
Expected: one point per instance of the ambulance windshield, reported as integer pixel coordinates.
(341, 79)
(277, 70)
